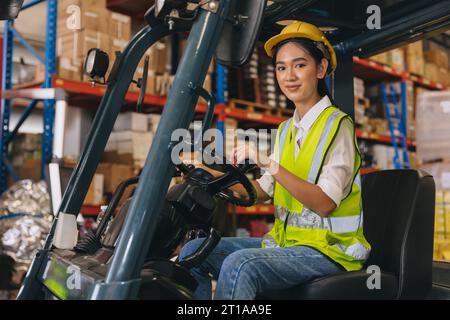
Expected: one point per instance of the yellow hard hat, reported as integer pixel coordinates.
(300, 29)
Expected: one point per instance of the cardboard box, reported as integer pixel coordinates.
(415, 64)
(159, 57)
(116, 45)
(69, 69)
(358, 87)
(437, 56)
(110, 156)
(153, 122)
(415, 48)
(163, 84)
(29, 169)
(39, 74)
(431, 71)
(442, 76)
(411, 134)
(135, 143)
(207, 85)
(120, 26)
(396, 59)
(133, 121)
(76, 45)
(151, 78)
(77, 15)
(94, 196)
(381, 58)
(114, 174)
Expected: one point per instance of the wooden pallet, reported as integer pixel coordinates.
(283, 112)
(250, 106)
(260, 108)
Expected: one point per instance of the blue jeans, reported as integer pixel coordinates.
(243, 269)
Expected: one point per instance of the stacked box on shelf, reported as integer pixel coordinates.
(159, 80)
(132, 137)
(414, 58)
(437, 56)
(358, 87)
(268, 85)
(374, 93)
(26, 146)
(396, 59)
(251, 80)
(127, 149)
(380, 58)
(114, 174)
(432, 129)
(436, 66)
(119, 35)
(361, 103)
(76, 37)
(25, 155)
(410, 110)
(94, 195)
(270, 92)
(130, 140)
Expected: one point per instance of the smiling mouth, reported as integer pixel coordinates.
(292, 88)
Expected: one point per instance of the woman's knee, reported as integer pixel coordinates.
(238, 261)
(190, 247)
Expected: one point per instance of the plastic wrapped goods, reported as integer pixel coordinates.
(433, 126)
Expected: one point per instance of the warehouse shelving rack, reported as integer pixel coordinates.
(80, 93)
(49, 62)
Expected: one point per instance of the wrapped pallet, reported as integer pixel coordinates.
(432, 126)
(441, 174)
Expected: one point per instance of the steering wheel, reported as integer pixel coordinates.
(219, 186)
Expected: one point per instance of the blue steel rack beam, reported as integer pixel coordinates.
(8, 45)
(50, 70)
(221, 82)
(6, 104)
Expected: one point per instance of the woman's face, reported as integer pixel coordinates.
(297, 72)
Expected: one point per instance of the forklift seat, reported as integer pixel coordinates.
(398, 208)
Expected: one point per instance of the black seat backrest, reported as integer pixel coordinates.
(398, 207)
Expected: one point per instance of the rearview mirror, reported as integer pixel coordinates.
(9, 9)
(240, 32)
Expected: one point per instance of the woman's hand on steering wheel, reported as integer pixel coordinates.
(242, 153)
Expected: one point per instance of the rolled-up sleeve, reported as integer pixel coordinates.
(267, 182)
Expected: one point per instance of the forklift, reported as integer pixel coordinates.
(127, 256)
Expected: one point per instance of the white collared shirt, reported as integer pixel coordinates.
(336, 177)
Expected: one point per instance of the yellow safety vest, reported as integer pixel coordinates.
(340, 235)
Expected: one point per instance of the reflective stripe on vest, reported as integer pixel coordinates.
(308, 219)
(345, 224)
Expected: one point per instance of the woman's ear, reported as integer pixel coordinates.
(322, 69)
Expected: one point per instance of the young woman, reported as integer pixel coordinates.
(313, 178)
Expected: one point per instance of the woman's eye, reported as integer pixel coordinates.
(280, 68)
(300, 65)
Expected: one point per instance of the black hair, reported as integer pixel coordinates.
(317, 55)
